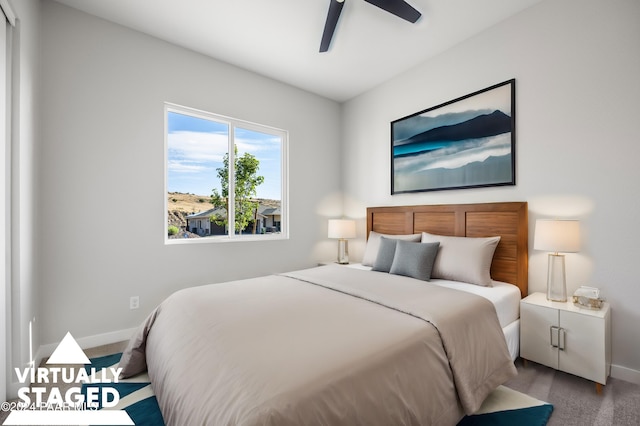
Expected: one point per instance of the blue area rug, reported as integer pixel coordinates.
(136, 396)
(533, 416)
(504, 407)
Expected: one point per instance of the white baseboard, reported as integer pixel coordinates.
(87, 342)
(626, 374)
(106, 338)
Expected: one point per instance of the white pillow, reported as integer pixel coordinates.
(463, 259)
(373, 245)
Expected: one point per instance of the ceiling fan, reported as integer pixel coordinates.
(399, 8)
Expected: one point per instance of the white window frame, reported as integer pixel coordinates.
(232, 123)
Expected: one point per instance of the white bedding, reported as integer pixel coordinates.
(504, 296)
(512, 336)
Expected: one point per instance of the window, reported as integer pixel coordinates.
(226, 179)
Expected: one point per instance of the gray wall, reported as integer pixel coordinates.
(576, 65)
(101, 189)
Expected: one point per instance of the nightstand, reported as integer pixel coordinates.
(565, 337)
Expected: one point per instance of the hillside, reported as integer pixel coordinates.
(187, 203)
(180, 205)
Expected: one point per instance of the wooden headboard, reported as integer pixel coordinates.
(508, 220)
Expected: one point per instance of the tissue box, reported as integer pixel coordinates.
(590, 292)
(587, 297)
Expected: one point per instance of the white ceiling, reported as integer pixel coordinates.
(280, 38)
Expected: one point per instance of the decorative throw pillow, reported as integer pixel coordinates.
(385, 254)
(414, 259)
(134, 359)
(463, 258)
(373, 244)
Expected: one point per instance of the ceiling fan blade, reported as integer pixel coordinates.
(399, 8)
(335, 8)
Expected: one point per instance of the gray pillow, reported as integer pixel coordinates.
(414, 259)
(386, 251)
(373, 244)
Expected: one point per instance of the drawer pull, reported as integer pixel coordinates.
(554, 336)
(561, 338)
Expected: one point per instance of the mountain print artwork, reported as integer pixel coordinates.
(468, 142)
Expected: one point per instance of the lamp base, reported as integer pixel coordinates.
(343, 251)
(556, 279)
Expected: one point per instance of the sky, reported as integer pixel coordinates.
(196, 148)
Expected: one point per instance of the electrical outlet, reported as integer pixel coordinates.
(134, 302)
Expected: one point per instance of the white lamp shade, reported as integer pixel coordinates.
(342, 228)
(557, 235)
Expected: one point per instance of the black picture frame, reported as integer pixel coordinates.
(468, 142)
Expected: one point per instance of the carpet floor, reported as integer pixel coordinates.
(575, 400)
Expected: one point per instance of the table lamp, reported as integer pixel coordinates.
(342, 229)
(557, 236)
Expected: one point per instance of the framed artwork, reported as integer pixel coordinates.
(468, 142)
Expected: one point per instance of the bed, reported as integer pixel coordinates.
(336, 345)
(510, 261)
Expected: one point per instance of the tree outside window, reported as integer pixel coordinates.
(201, 203)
